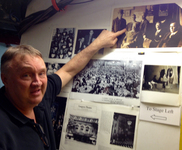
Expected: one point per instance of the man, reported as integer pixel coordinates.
(134, 22)
(89, 37)
(159, 33)
(172, 38)
(80, 45)
(144, 25)
(28, 93)
(119, 24)
(133, 38)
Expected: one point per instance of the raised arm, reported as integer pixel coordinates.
(106, 39)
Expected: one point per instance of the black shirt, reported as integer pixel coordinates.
(17, 132)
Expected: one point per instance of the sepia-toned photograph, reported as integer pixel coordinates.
(62, 43)
(85, 37)
(148, 26)
(82, 129)
(57, 115)
(109, 77)
(123, 130)
(161, 78)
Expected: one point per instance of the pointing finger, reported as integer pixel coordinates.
(120, 32)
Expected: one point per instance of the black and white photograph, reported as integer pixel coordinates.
(118, 78)
(52, 67)
(57, 115)
(160, 78)
(82, 129)
(149, 26)
(123, 130)
(62, 43)
(85, 37)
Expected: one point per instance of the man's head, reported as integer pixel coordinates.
(23, 73)
(91, 32)
(158, 25)
(120, 14)
(144, 15)
(173, 27)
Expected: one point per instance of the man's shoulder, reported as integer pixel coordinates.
(6, 120)
(54, 85)
(53, 78)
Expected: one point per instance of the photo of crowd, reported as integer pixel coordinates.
(148, 26)
(57, 115)
(62, 43)
(109, 77)
(53, 67)
(82, 129)
(161, 78)
(123, 130)
(86, 37)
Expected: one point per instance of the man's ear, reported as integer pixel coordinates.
(4, 78)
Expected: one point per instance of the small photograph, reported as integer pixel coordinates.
(123, 130)
(161, 78)
(57, 115)
(53, 67)
(109, 77)
(86, 37)
(82, 129)
(148, 26)
(62, 43)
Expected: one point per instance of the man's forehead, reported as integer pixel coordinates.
(27, 61)
(173, 24)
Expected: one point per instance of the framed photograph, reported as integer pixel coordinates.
(85, 37)
(114, 80)
(148, 26)
(123, 130)
(62, 43)
(127, 13)
(57, 115)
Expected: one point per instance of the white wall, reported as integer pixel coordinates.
(97, 14)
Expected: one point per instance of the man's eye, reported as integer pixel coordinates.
(25, 75)
(42, 74)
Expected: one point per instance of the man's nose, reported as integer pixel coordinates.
(36, 81)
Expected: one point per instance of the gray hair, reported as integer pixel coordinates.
(12, 52)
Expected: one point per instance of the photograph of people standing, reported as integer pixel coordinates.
(148, 26)
(118, 24)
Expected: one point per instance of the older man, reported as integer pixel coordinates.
(28, 93)
(119, 24)
(172, 38)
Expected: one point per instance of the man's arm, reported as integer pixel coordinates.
(106, 39)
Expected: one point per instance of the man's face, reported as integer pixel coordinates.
(120, 15)
(91, 32)
(26, 82)
(157, 25)
(143, 16)
(173, 27)
(82, 39)
(134, 17)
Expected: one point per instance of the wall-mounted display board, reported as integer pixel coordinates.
(127, 97)
(148, 26)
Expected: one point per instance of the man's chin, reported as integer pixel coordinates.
(36, 101)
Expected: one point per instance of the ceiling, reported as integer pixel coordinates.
(13, 22)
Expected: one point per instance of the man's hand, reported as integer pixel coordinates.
(107, 39)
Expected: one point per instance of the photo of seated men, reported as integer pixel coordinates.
(161, 78)
(149, 26)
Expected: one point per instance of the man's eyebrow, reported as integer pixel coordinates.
(24, 68)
